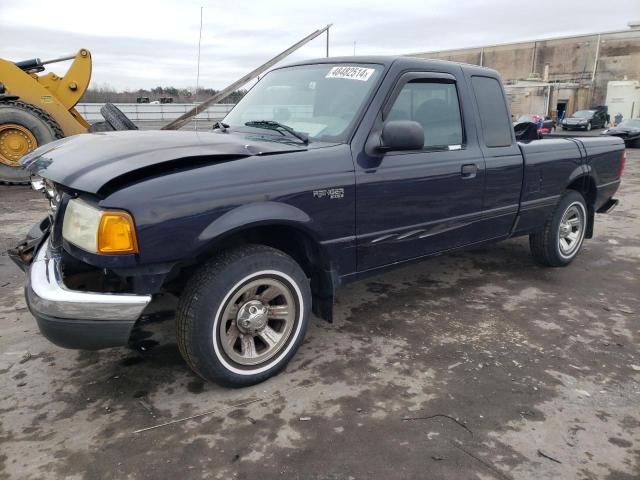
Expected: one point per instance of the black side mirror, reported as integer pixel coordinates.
(402, 135)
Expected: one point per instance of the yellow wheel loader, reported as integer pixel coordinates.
(37, 109)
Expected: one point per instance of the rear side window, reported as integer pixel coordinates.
(493, 112)
(434, 105)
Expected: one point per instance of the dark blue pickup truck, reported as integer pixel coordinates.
(326, 171)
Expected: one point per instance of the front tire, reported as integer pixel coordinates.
(561, 239)
(243, 315)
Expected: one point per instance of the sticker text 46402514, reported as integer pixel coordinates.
(351, 73)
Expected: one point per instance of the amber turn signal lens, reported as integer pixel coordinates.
(117, 233)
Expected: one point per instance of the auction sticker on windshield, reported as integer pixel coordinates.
(352, 73)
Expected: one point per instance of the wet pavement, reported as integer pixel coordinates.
(475, 365)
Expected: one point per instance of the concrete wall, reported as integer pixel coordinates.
(568, 60)
(530, 100)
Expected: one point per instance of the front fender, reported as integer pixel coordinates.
(253, 214)
(308, 245)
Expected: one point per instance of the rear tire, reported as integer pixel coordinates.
(31, 127)
(243, 315)
(561, 239)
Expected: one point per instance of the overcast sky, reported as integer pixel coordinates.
(145, 43)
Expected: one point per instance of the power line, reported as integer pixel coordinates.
(195, 125)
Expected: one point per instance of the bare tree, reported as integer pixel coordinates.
(102, 93)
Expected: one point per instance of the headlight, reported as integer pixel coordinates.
(37, 183)
(99, 231)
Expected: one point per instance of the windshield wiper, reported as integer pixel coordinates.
(220, 126)
(278, 127)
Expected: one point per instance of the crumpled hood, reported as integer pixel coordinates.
(86, 162)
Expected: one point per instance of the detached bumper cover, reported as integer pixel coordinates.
(75, 319)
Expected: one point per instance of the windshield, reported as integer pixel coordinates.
(321, 101)
(630, 123)
(583, 114)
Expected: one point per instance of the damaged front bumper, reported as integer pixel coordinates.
(72, 318)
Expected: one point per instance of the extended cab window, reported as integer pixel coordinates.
(434, 105)
(494, 115)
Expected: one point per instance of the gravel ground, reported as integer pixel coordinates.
(478, 364)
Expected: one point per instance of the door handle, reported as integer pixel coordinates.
(469, 170)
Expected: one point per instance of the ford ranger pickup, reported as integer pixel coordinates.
(325, 172)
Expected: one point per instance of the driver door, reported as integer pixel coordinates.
(416, 203)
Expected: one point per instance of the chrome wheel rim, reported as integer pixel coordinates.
(571, 229)
(257, 321)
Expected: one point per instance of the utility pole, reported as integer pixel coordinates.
(328, 41)
(195, 123)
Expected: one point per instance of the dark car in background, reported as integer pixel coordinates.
(628, 130)
(586, 120)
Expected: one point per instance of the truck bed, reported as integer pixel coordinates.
(550, 161)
